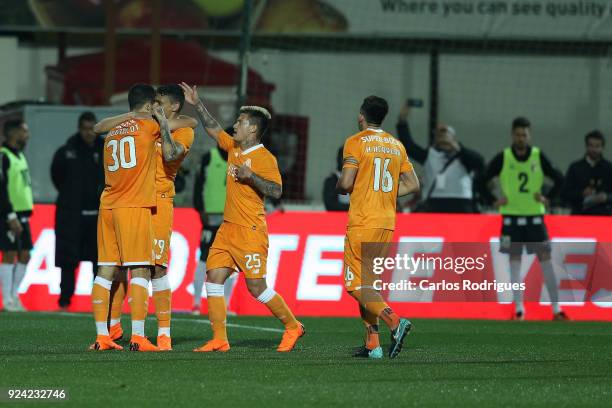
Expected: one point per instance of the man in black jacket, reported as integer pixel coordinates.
(588, 185)
(78, 175)
(450, 168)
(334, 201)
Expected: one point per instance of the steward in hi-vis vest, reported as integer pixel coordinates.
(16, 204)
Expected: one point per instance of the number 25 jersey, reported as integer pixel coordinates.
(379, 159)
(129, 165)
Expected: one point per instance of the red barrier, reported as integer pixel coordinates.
(305, 264)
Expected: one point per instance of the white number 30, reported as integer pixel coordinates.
(121, 161)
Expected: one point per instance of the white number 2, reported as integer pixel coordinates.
(253, 261)
(384, 176)
(119, 145)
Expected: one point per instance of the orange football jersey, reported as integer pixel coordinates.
(380, 159)
(243, 204)
(129, 165)
(166, 171)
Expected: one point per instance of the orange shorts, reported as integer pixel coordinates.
(240, 248)
(125, 237)
(162, 229)
(354, 277)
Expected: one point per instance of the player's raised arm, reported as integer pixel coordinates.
(408, 183)
(210, 124)
(170, 149)
(182, 121)
(107, 124)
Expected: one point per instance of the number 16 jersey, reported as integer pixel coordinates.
(129, 165)
(379, 159)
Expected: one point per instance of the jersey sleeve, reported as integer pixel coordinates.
(225, 141)
(406, 165)
(351, 154)
(185, 137)
(269, 171)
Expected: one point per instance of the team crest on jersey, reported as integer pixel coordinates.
(247, 163)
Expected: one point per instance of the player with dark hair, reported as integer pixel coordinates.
(168, 104)
(170, 99)
(241, 242)
(521, 169)
(125, 227)
(16, 204)
(375, 172)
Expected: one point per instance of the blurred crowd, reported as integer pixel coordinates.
(456, 179)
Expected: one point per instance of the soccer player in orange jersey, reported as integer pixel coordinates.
(241, 242)
(375, 171)
(125, 228)
(171, 98)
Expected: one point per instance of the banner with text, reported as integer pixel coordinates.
(305, 265)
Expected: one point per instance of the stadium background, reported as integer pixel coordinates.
(474, 64)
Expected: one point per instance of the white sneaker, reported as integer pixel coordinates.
(195, 310)
(18, 305)
(10, 307)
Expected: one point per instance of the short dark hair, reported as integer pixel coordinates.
(140, 94)
(87, 116)
(11, 125)
(258, 116)
(521, 122)
(174, 92)
(374, 109)
(596, 135)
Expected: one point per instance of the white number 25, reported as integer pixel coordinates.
(253, 261)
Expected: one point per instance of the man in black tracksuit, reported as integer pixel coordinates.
(588, 184)
(78, 175)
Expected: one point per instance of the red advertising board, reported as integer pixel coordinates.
(305, 264)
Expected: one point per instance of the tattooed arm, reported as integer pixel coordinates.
(245, 175)
(210, 124)
(170, 149)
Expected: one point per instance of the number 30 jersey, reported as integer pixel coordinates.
(129, 165)
(379, 159)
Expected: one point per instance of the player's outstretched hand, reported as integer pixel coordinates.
(191, 93)
(244, 173)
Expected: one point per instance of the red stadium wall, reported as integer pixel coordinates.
(305, 264)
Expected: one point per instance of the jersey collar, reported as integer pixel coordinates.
(375, 130)
(250, 149)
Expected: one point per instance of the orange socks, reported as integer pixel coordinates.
(100, 299)
(373, 303)
(162, 298)
(370, 321)
(217, 313)
(139, 303)
(117, 295)
(279, 308)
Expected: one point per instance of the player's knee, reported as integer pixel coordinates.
(544, 255)
(159, 272)
(256, 286)
(144, 272)
(217, 275)
(9, 257)
(107, 272)
(24, 257)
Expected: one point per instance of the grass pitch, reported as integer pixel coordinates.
(444, 363)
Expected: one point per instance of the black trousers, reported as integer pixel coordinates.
(74, 243)
(449, 205)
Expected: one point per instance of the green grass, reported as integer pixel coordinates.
(444, 362)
